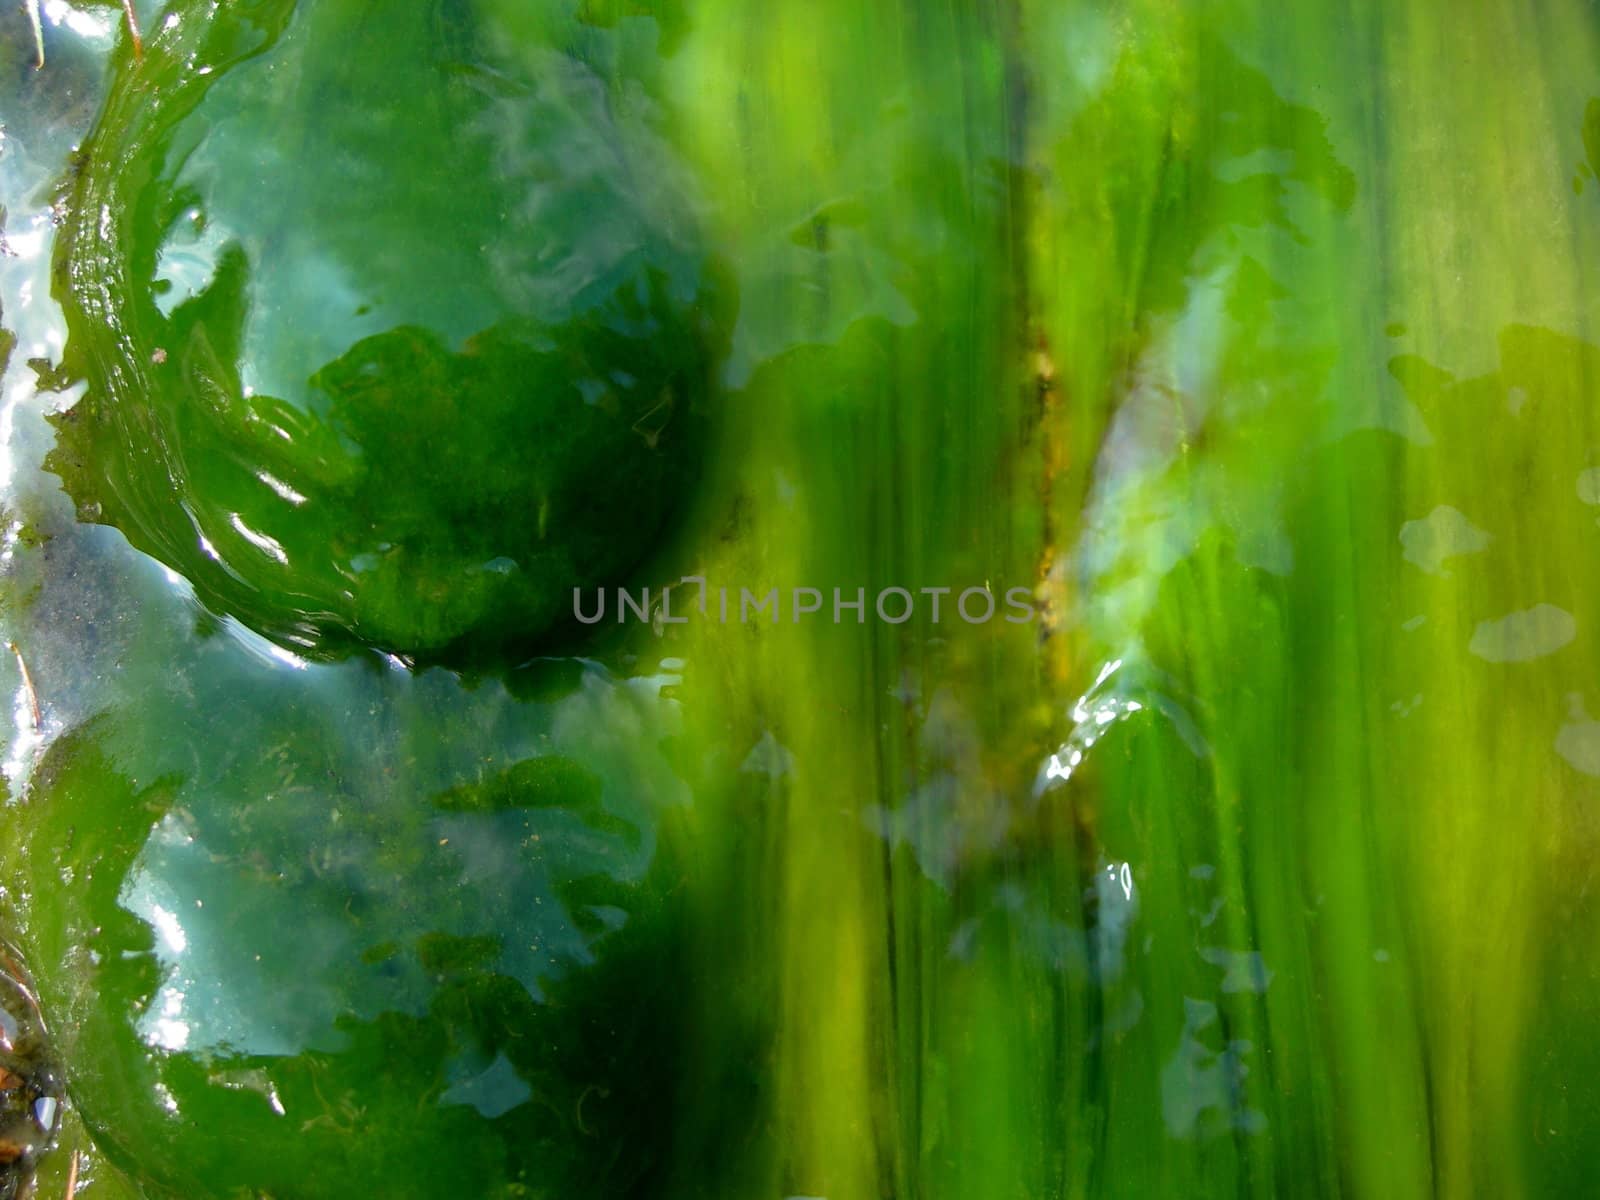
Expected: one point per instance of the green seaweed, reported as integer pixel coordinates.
(1254, 344)
(492, 394)
(301, 1018)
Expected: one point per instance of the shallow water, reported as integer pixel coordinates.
(1257, 348)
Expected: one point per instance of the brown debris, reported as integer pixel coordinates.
(27, 684)
(133, 29)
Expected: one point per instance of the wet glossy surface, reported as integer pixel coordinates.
(398, 373)
(1259, 347)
